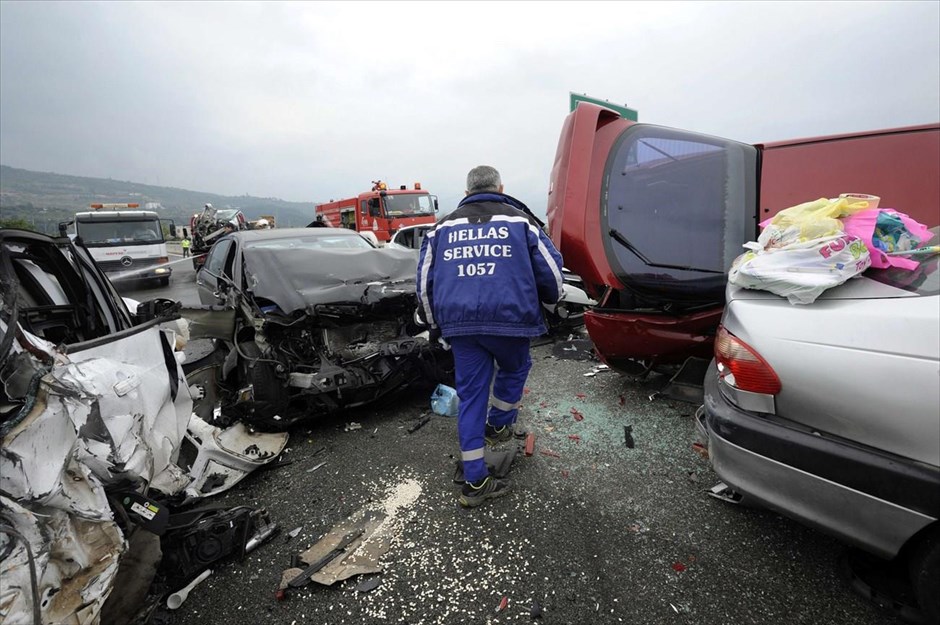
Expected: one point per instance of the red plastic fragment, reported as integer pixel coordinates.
(526, 390)
(549, 452)
(574, 437)
(503, 603)
(543, 404)
(279, 594)
(678, 567)
(564, 473)
(577, 414)
(529, 443)
(580, 395)
(700, 449)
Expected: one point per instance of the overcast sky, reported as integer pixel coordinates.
(312, 101)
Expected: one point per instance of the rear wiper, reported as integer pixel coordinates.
(622, 240)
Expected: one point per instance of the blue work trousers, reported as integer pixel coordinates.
(474, 358)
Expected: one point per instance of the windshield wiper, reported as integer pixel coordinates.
(653, 147)
(622, 240)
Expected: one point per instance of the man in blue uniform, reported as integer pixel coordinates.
(482, 272)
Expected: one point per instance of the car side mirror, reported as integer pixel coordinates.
(159, 308)
(222, 287)
(173, 230)
(436, 207)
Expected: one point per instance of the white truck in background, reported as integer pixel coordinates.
(127, 244)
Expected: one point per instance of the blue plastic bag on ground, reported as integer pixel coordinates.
(444, 401)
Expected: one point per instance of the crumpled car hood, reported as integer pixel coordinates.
(301, 279)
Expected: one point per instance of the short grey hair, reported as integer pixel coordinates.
(482, 179)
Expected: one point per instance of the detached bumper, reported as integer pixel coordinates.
(864, 496)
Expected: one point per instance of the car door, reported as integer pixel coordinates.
(207, 280)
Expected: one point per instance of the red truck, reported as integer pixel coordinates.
(381, 210)
(652, 217)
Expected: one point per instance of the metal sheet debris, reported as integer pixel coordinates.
(370, 584)
(370, 532)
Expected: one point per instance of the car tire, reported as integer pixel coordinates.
(924, 569)
(270, 394)
(164, 282)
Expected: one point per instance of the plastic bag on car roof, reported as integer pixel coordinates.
(885, 230)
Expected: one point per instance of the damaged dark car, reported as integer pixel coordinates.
(307, 321)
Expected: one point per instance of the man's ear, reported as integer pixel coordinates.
(500, 189)
(466, 193)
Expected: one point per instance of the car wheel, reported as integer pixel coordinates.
(270, 394)
(925, 574)
(164, 282)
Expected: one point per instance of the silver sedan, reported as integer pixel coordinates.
(830, 413)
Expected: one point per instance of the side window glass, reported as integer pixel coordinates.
(217, 256)
(227, 270)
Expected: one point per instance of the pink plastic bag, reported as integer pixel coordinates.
(862, 225)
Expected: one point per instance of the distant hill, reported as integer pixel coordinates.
(45, 199)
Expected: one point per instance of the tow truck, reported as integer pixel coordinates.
(209, 226)
(127, 243)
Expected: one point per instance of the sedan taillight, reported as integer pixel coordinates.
(748, 371)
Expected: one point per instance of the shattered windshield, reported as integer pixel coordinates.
(408, 205)
(102, 233)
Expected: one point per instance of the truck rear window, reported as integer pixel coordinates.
(678, 206)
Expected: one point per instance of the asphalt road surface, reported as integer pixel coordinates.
(593, 531)
(182, 285)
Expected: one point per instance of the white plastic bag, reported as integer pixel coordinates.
(802, 270)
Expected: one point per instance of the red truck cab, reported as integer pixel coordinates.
(381, 210)
(652, 217)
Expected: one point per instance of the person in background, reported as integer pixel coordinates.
(185, 243)
(482, 272)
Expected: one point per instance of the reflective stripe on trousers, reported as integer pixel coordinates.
(474, 358)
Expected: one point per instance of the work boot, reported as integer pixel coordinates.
(475, 493)
(496, 435)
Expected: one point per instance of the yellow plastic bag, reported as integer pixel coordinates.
(812, 220)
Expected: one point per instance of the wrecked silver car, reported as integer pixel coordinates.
(94, 411)
(308, 321)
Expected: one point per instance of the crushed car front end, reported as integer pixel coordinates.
(316, 331)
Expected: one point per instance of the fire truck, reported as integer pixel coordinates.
(381, 210)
